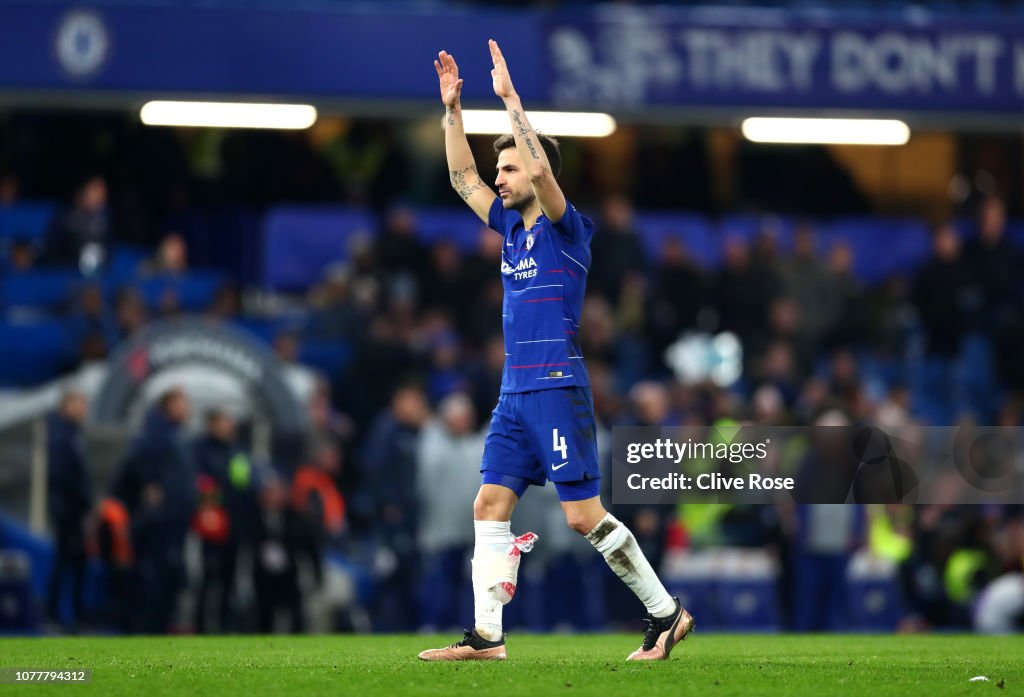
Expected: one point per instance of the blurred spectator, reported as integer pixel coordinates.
(599, 339)
(69, 495)
(743, 293)
(231, 489)
(939, 293)
(617, 251)
(130, 313)
(888, 325)
(81, 236)
(447, 368)
(786, 325)
(10, 188)
(445, 286)
(226, 305)
(93, 349)
(284, 542)
(315, 495)
(21, 255)
(993, 268)
(631, 305)
(1009, 349)
(398, 249)
(212, 526)
(385, 355)
(678, 294)
(971, 562)
(156, 481)
(843, 301)
(336, 315)
(823, 291)
(826, 536)
(389, 499)
(807, 281)
(447, 479)
(326, 422)
(650, 406)
(486, 377)
(300, 378)
(768, 407)
(778, 368)
(484, 318)
(171, 258)
(332, 426)
(169, 303)
(92, 316)
(480, 268)
(999, 608)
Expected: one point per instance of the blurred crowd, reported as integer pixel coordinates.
(936, 343)
(389, 472)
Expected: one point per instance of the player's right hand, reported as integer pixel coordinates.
(448, 76)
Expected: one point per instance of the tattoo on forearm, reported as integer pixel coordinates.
(450, 113)
(525, 133)
(465, 181)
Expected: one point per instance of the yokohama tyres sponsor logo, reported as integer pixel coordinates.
(527, 268)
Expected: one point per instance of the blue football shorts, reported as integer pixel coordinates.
(542, 435)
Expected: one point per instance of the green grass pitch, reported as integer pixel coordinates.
(709, 665)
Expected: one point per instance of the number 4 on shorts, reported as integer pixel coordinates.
(558, 443)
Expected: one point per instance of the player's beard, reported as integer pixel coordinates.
(522, 202)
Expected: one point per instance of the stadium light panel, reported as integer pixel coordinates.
(826, 131)
(552, 123)
(228, 115)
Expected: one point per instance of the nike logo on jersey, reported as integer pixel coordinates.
(559, 466)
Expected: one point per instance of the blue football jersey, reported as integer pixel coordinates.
(544, 272)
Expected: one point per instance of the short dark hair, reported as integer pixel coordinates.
(169, 396)
(216, 413)
(549, 144)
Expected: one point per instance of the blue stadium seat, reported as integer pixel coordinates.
(28, 219)
(300, 242)
(882, 247)
(975, 376)
(35, 352)
(875, 598)
(330, 357)
(748, 605)
(745, 590)
(264, 328)
(17, 606)
(1015, 233)
(195, 289)
(932, 390)
(24, 618)
(125, 261)
(693, 230)
(41, 289)
(457, 224)
(748, 225)
(692, 577)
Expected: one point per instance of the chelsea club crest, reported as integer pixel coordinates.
(529, 241)
(82, 43)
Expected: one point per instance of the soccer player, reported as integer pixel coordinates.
(543, 425)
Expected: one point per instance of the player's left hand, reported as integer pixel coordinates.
(499, 76)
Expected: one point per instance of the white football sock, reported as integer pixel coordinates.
(619, 548)
(492, 544)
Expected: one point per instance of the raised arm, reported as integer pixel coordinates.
(461, 168)
(545, 187)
